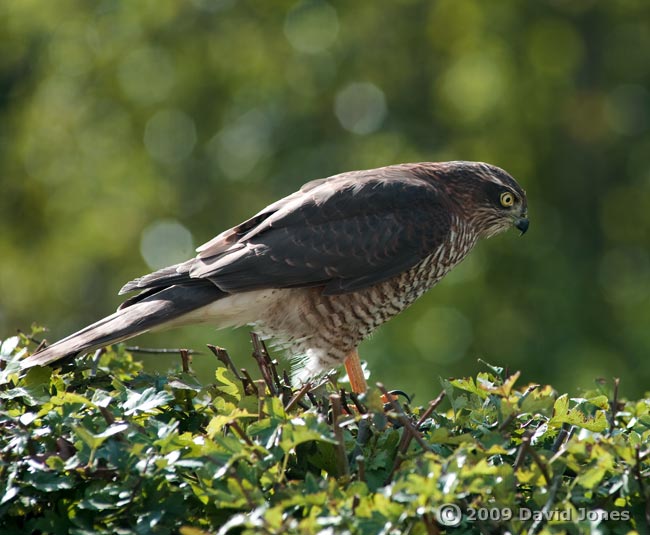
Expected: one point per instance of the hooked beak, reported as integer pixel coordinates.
(522, 224)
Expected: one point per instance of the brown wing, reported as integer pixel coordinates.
(344, 233)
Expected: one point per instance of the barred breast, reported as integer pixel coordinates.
(320, 330)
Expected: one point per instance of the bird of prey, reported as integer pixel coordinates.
(319, 270)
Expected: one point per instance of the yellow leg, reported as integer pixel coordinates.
(355, 373)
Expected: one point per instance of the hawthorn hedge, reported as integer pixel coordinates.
(99, 446)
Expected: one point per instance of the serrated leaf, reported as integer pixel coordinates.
(146, 400)
(93, 440)
(562, 414)
(298, 433)
(217, 423)
(228, 384)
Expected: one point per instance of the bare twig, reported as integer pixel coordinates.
(342, 459)
(247, 496)
(542, 465)
(185, 360)
(562, 437)
(433, 405)
(521, 455)
(405, 441)
(403, 419)
(344, 401)
(642, 487)
(521, 452)
(247, 381)
(361, 467)
(613, 406)
(108, 415)
(234, 425)
(261, 395)
(430, 524)
(504, 425)
(554, 487)
(36, 341)
(261, 355)
(95, 362)
(160, 350)
(297, 397)
(224, 358)
(360, 406)
(526, 393)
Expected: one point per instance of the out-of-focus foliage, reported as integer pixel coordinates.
(132, 131)
(109, 449)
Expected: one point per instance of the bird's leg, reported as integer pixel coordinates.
(355, 372)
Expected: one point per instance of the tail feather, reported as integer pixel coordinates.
(155, 310)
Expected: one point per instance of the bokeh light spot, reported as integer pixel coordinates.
(360, 107)
(170, 136)
(146, 75)
(554, 48)
(238, 146)
(311, 26)
(473, 85)
(166, 242)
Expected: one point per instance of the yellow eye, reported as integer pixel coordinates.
(507, 199)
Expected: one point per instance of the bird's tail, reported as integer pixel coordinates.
(165, 307)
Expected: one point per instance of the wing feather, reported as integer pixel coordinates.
(344, 233)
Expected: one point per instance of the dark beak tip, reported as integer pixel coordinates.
(522, 225)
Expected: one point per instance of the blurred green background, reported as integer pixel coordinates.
(132, 132)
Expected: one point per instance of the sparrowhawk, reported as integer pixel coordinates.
(319, 270)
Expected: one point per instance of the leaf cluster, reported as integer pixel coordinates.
(102, 447)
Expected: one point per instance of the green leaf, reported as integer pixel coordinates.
(93, 440)
(146, 400)
(562, 414)
(228, 383)
(185, 381)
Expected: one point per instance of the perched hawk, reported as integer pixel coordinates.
(321, 269)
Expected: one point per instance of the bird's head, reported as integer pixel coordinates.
(489, 197)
